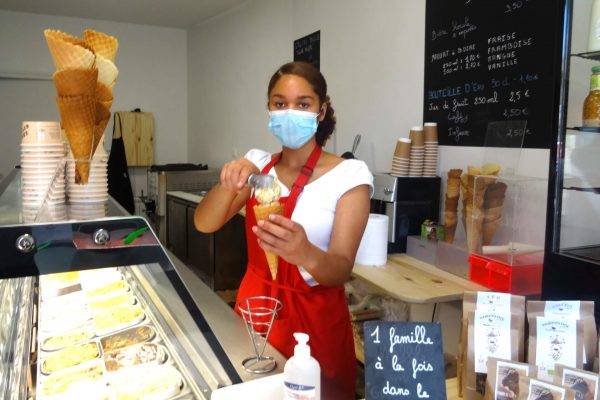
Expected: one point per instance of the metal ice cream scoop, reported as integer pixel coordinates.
(261, 181)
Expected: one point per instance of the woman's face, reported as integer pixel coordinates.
(294, 92)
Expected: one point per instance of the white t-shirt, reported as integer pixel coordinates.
(315, 208)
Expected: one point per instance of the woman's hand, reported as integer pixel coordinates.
(234, 174)
(284, 237)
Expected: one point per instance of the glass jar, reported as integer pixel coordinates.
(591, 105)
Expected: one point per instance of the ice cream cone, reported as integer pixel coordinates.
(67, 55)
(107, 71)
(98, 132)
(102, 44)
(262, 213)
(78, 118)
(450, 222)
(76, 82)
(488, 231)
(103, 92)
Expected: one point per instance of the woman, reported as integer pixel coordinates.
(326, 210)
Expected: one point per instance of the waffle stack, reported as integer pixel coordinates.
(84, 79)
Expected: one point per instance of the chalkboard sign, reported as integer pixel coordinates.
(492, 61)
(404, 360)
(308, 49)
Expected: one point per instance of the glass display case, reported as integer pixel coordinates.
(98, 309)
(572, 256)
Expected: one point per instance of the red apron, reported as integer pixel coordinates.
(321, 312)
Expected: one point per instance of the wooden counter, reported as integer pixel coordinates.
(413, 281)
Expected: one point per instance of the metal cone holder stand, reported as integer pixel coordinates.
(259, 312)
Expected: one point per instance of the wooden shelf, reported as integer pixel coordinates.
(413, 281)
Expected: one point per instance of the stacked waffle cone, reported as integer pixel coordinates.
(474, 196)
(451, 204)
(84, 78)
(262, 212)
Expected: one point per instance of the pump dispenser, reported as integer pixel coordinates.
(302, 373)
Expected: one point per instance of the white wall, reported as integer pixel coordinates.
(371, 56)
(152, 64)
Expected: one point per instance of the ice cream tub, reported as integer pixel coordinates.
(108, 289)
(60, 341)
(156, 382)
(67, 384)
(128, 337)
(72, 316)
(138, 354)
(70, 356)
(117, 318)
(99, 304)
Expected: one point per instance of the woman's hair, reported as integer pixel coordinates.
(319, 85)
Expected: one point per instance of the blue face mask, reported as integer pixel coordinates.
(293, 128)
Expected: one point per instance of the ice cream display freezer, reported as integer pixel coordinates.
(98, 309)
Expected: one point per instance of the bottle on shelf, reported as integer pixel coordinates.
(591, 105)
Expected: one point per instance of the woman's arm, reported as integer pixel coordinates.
(226, 198)
(287, 239)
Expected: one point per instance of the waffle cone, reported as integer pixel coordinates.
(488, 231)
(78, 118)
(450, 222)
(66, 54)
(262, 213)
(107, 71)
(98, 132)
(474, 222)
(451, 204)
(103, 92)
(102, 44)
(76, 82)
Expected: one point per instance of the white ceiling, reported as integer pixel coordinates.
(169, 13)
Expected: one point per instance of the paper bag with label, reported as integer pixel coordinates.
(554, 340)
(503, 378)
(483, 301)
(582, 310)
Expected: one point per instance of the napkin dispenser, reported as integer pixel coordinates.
(407, 201)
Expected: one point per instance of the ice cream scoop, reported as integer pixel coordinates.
(261, 180)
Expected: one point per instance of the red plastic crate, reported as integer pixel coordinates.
(522, 279)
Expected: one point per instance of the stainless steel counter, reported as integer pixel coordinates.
(228, 327)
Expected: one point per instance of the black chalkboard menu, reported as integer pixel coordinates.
(308, 48)
(493, 61)
(404, 360)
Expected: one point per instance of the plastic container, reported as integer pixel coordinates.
(591, 106)
(522, 280)
(302, 373)
(507, 224)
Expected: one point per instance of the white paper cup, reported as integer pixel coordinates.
(40, 132)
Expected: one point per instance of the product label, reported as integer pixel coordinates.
(493, 300)
(492, 337)
(556, 344)
(563, 308)
(595, 82)
(507, 379)
(543, 390)
(585, 384)
(298, 392)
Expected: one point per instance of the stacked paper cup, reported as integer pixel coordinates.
(90, 200)
(417, 151)
(42, 169)
(431, 149)
(401, 158)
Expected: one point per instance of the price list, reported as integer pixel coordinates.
(492, 62)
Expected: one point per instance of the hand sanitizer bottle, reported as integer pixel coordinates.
(302, 373)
